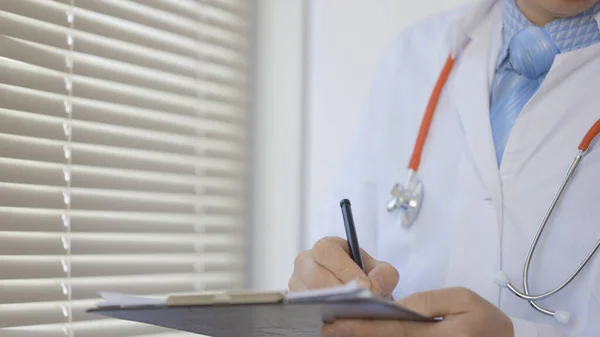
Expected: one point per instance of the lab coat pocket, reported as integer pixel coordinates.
(396, 242)
(396, 245)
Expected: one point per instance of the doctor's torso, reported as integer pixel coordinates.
(477, 218)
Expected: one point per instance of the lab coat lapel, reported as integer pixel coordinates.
(470, 92)
(536, 125)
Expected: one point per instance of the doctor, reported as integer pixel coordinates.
(524, 89)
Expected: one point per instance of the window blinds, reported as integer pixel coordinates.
(122, 157)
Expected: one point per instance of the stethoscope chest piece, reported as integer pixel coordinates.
(407, 199)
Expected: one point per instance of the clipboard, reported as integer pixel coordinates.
(255, 313)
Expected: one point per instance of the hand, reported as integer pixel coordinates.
(329, 264)
(465, 314)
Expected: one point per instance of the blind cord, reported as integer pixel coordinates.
(68, 131)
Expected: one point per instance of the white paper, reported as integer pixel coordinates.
(125, 300)
(349, 289)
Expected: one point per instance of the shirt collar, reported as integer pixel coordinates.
(569, 33)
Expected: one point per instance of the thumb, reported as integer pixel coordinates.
(383, 276)
(441, 302)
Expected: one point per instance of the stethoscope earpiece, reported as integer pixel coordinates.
(562, 317)
(501, 278)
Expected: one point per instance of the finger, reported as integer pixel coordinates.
(315, 276)
(311, 274)
(384, 278)
(382, 328)
(332, 254)
(441, 302)
(295, 284)
(368, 261)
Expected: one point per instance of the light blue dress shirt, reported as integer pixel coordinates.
(526, 55)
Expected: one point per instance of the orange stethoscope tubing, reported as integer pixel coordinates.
(415, 159)
(589, 136)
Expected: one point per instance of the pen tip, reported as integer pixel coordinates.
(345, 202)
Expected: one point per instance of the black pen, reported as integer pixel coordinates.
(351, 233)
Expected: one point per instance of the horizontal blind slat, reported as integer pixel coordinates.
(51, 127)
(52, 289)
(45, 173)
(51, 220)
(44, 267)
(144, 149)
(237, 7)
(37, 101)
(223, 44)
(34, 77)
(227, 45)
(147, 15)
(211, 158)
(14, 195)
(141, 13)
(44, 313)
(27, 243)
(54, 35)
(191, 8)
(117, 71)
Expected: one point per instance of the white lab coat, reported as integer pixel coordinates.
(477, 218)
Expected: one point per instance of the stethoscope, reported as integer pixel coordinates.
(408, 198)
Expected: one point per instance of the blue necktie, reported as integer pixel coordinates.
(530, 56)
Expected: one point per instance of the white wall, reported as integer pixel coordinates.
(346, 40)
(278, 120)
